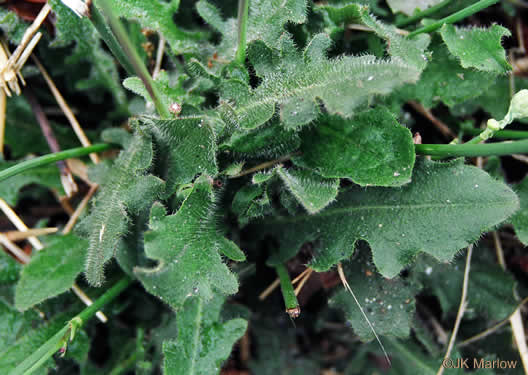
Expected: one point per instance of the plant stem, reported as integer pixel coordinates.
(139, 68)
(473, 150)
(106, 34)
(52, 158)
(425, 13)
(455, 17)
(50, 347)
(501, 134)
(243, 10)
(290, 299)
(108, 296)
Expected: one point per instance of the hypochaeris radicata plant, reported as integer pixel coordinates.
(263, 187)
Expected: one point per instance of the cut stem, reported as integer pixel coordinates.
(52, 158)
(243, 11)
(290, 299)
(455, 17)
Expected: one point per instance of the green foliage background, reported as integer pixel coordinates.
(319, 108)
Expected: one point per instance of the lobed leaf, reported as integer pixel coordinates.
(186, 246)
(370, 149)
(445, 208)
(297, 85)
(127, 189)
(478, 48)
(204, 341)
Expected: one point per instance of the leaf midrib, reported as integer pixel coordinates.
(346, 210)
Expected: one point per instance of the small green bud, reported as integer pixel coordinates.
(519, 105)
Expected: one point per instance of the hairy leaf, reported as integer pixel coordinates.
(411, 50)
(170, 93)
(520, 219)
(127, 189)
(478, 48)
(47, 175)
(312, 191)
(58, 264)
(389, 304)
(266, 22)
(342, 84)
(250, 202)
(186, 246)
(159, 15)
(445, 207)
(370, 149)
(189, 147)
(14, 324)
(204, 341)
(445, 80)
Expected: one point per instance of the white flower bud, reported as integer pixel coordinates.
(81, 8)
(519, 105)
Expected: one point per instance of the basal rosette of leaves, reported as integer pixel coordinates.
(252, 137)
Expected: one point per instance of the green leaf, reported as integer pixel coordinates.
(189, 147)
(14, 324)
(446, 207)
(370, 149)
(231, 250)
(48, 176)
(389, 304)
(9, 269)
(445, 80)
(478, 48)
(266, 22)
(250, 202)
(278, 350)
(126, 190)
(31, 342)
(159, 15)
(411, 50)
(51, 271)
(170, 93)
(296, 85)
(204, 341)
(186, 246)
(409, 7)
(103, 73)
(312, 191)
(520, 219)
(490, 289)
(269, 141)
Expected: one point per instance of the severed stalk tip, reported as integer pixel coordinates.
(294, 312)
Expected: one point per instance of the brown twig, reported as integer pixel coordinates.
(17, 235)
(303, 281)
(73, 218)
(274, 285)
(66, 109)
